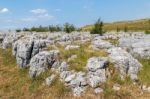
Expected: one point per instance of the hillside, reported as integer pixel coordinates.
(132, 25)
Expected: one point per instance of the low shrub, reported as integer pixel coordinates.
(147, 32)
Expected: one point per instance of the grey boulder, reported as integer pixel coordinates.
(101, 44)
(96, 63)
(41, 62)
(22, 50)
(96, 68)
(124, 62)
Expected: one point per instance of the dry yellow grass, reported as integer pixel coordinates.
(15, 84)
(134, 25)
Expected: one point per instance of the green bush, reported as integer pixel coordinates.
(26, 29)
(147, 32)
(98, 28)
(56, 28)
(125, 29)
(18, 30)
(118, 29)
(68, 28)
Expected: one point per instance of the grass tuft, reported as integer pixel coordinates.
(7, 57)
(144, 75)
(112, 41)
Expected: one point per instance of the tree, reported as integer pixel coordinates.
(51, 28)
(149, 23)
(68, 28)
(18, 30)
(26, 29)
(118, 29)
(98, 27)
(33, 29)
(125, 29)
(56, 28)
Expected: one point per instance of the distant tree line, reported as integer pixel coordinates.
(67, 27)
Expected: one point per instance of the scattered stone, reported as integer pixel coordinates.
(70, 78)
(148, 89)
(63, 67)
(116, 87)
(96, 63)
(9, 39)
(98, 90)
(77, 91)
(70, 47)
(96, 71)
(101, 44)
(145, 88)
(79, 80)
(50, 79)
(28, 48)
(94, 81)
(137, 44)
(72, 58)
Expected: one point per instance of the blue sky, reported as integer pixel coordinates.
(27, 13)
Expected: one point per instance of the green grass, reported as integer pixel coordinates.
(144, 74)
(147, 32)
(113, 41)
(37, 82)
(115, 78)
(60, 88)
(83, 54)
(15, 82)
(8, 58)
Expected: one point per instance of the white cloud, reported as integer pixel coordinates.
(57, 10)
(40, 14)
(37, 18)
(45, 16)
(29, 19)
(39, 11)
(9, 21)
(4, 10)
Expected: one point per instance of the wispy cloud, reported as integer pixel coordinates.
(85, 7)
(57, 10)
(4, 10)
(39, 11)
(38, 14)
(45, 16)
(34, 18)
(29, 19)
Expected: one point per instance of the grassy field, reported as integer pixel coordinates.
(83, 54)
(15, 83)
(134, 25)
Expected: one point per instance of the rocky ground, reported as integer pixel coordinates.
(75, 65)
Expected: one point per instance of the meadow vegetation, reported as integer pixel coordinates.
(144, 73)
(15, 82)
(83, 54)
(134, 25)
